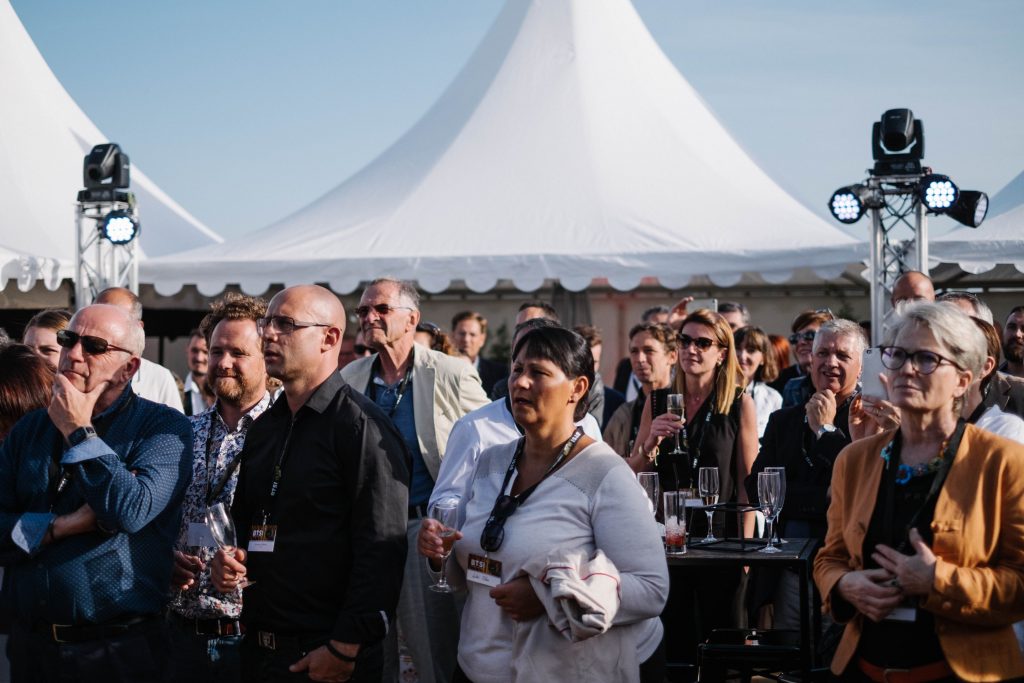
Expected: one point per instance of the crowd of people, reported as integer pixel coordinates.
(277, 515)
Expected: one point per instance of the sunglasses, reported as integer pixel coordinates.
(494, 530)
(428, 327)
(702, 343)
(94, 346)
(798, 337)
(380, 309)
(283, 324)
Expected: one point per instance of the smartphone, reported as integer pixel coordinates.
(659, 402)
(871, 367)
(697, 304)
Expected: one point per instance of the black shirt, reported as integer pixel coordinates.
(341, 509)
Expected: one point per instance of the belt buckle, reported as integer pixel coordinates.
(267, 640)
(53, 632)
(885, 673)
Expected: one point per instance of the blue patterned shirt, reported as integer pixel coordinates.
(216, 449)
(133, 476)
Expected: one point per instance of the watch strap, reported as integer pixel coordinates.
(338, 653)
(81, 434)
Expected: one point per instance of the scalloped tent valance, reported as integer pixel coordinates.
(567, 148)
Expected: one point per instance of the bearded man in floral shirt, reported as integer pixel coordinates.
(205, 630)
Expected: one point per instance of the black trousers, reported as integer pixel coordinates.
(140, 656)
(271, 666)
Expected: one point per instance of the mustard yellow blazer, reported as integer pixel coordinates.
(978, 532)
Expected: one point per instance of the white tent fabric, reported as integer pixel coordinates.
(999, 239)
(44, 137)
(568, 147)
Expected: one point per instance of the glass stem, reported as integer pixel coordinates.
(444, 574)
(771, 525)
(711, 515)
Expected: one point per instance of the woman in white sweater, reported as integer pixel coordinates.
(538, 505)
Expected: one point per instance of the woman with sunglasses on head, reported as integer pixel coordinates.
(551, 495)
(433, 337)
(924, 556)
(718, 430)
(794, 382)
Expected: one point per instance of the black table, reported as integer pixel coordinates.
(797, 553)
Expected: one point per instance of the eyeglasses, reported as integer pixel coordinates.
(798, 337)
(494, 530)
(380, 309)
(925, 362)
(94, 346)
(826, 311)
(283, 324)
(702, 343)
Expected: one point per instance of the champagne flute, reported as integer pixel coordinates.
(782, 497)
(222, 528)
(446, 512)
(707, 484)
(649, 483)
(675, 407)
(769, 486)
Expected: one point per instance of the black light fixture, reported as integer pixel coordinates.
(119, 227)
(897, 143)
(106, 166)
(849, 203)
(938, 193)
(970, 208)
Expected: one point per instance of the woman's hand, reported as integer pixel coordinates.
(870, 415)
(663, 426)
(914, 574)
(678, 313)
(518, 599)
(871, 592)
(428, 542)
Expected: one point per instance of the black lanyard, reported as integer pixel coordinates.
(562, 455)
(695, 451)
(402, 386)
(889, 479)
(279, 467)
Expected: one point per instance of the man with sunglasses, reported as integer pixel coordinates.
(423, 392)
(319, 509)
(90, 494)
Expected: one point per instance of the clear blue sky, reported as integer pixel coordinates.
(246, 111)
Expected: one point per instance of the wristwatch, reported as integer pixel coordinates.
(825, 429)
(81, 434)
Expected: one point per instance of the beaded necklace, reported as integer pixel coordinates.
(904, 473)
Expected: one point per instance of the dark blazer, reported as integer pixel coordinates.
(491, 372)
(785, 375)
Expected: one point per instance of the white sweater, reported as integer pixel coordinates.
(592, 502)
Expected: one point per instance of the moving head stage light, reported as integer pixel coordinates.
(897, 143)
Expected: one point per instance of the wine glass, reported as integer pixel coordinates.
(769, 487)
(446, 512)
(675, 407)
(649, 483)
(707, 485)
(222, 528)
(782, 497)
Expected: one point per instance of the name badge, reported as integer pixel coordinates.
(905, 614)
(262, 537)
(483, 570)
(199, 535)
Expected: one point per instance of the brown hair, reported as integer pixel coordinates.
(232, 306)
(659, 331)
(994, 344)
(590, 333)
(470, 315)
(809, 317)
(780, 346)
(55, 319)
(727, 376)
(26, 383)
(754, 338)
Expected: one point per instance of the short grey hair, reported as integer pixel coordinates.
(954, 331)
(980, 308)
(406, 290)
(839, 327)
(135, 341)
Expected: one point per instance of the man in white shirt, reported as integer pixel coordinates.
(197, 398)
(152, 381)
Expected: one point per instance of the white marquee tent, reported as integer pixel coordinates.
(44, 137)
(999, 239)
(568, 147)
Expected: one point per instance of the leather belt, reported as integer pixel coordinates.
(918, 674)
(418, 511)
(80, 633)
(223, 626)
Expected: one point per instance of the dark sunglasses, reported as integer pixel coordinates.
(283, 324)
(429, 328)
(494, 530)
(379, 309)
(798, 337)
(94, 346)
(702, 343)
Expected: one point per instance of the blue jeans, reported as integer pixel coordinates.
(204, 659)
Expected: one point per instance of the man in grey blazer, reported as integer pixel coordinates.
(424, 392)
